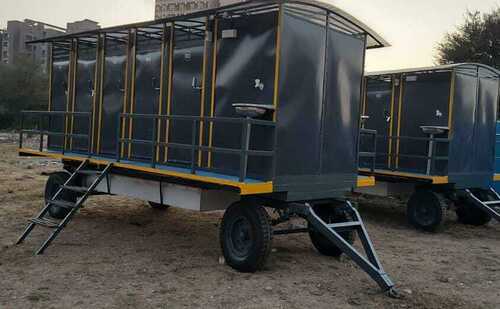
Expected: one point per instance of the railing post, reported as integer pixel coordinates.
(21, 131)
(118, 137)
(374, 159)
(193, 146)
(65, 136)
(89, 136)
(433, 160)
(275, 154)
(245, 145)
(394, 155)
(154, 144)
(430, 154)
(40, 128)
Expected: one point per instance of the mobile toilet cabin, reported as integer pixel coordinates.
(238, 108)
(435, 137)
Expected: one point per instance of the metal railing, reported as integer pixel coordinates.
(244, 152)
(44, 127)
(369, 154)
(431, 157)
(43, 120)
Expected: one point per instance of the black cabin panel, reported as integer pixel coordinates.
(425, 103)
(84, 96)
(378, 109)
(59, 96)
(113, 92)
(147, 93)
(484, 133)
(245, 74)
(462, 131)
(345, 66)
(186, 93)
(301, 97)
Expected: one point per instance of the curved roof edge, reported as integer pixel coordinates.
(435, 68)
(376, 40)
(381, 42)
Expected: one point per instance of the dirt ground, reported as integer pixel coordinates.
(119, 253)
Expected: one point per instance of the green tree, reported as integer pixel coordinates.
(476, 40)
(23, 86)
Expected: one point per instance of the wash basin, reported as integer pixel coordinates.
(252, 110)
(434, 130)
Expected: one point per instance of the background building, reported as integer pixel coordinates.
(4, 44)
(18, 33)
(13, 40)
(169, 8)
(82, 25)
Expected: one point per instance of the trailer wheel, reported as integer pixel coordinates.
(470, 214)
(245, 236)
(158, 206)
(424, 210)
(329, 215)
(51, 187)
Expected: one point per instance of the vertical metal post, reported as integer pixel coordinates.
(89, 136)
(374, 162)
(161, 192)
(40, 129)
(275, 147)
(119, 137)
(433, 158)
(96, 89)
(21, 131)
(400, 116)
(154, 142)
(132, 91)
(76, 48)
(212, 96)
(203, 90)
(245, 145)
(430, 154)
(193, 146)
(65, 137)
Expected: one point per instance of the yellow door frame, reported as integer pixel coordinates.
(203, 92)
(96, 92)
(132, 93)
(170, 83)
(400, 109)
(212, 97)
(162, 84)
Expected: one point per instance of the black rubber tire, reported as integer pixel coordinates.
(424, 210)
(330, 214)
(158, 206)
(470, 214)
(246, 237)
(51, 187)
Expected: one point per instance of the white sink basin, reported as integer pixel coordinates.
(252, 110)
(434, 129)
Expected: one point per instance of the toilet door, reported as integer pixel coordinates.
(379, 115)
(186, 92)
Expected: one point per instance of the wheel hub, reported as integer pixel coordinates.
(425, 214)
(241, 237)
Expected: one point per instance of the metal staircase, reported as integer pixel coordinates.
(84, 192)
(491, 207)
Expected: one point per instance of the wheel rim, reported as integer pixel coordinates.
(241, 239)
(426, 214)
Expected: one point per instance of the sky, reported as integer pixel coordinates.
(414, 28)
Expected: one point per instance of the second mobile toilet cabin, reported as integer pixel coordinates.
(238, 108)
(435, 133)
